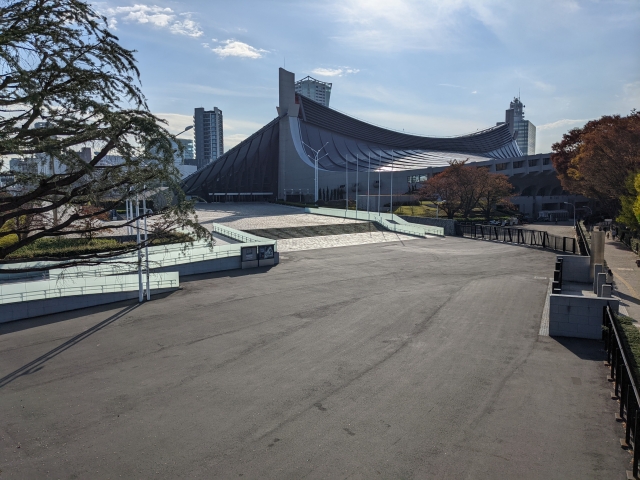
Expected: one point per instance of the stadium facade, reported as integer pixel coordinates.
(355, 157)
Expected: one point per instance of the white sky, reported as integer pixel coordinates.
(432, 67)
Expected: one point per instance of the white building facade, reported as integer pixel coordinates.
(314, 89)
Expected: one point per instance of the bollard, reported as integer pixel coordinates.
(601, 280)
(597, 269)
(606, 291)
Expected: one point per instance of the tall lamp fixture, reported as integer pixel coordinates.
(185, 130)
(574, 213)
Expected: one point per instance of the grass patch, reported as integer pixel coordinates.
(630, 336)
(72, 247)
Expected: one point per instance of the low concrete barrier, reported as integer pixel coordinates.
(32, 299)
(449, 226)
(575, 268)
(577, 316)
(394, 223)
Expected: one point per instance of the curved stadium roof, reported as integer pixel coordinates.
(346, 143)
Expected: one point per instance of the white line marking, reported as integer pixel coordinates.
(544, 323)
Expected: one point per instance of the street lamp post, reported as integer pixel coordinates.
(574, 213)
(315, 160)
(185, 130)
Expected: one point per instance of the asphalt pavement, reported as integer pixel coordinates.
(416, 359)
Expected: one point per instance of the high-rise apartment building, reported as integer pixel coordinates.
(314, 89)
(526, 138)
(208, 132)
(187, 145)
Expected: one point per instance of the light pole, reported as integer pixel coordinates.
(368, 182)
(574, 213)
(315, 160)
(391, 185)
(357, 184)
(186, 129)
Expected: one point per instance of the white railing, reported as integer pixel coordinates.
(387, 220)
(241, 236)
(47, 289)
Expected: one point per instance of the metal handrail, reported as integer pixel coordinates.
(625, 385)
(583, 237)
(519, 236)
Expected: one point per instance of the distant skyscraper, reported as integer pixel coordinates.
(526, 138)
(187, 144)
(314, 89)
(208, 132)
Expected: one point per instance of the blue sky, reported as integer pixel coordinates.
(431, 67)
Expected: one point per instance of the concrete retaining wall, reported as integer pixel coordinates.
(19, 311)
(576, 316)
(448, 225)
(575, 268)
(207, 266)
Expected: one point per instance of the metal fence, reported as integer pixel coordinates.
(625, 386)
(583, 242)
(520, 236)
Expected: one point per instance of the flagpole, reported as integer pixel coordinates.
(368, 183)
(379, 184)
(391, 186)
(346, 184)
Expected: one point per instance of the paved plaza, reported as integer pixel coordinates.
(415, 359)
(253, 216)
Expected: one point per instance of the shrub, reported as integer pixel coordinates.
(631, 342)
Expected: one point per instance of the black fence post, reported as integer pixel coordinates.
(636, 450)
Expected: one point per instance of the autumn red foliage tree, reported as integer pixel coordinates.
(462, 188)
(597, 159)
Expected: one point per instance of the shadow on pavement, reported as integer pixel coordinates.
(225, 274)
(583, 348)
(37, 364)
(627, 298)
(27, 323)
(619, 246)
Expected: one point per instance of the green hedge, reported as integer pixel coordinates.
(631, 340)
(71, 247)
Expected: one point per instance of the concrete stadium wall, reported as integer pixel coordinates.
(576, 316)
(448, 225)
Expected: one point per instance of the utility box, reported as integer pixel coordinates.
(249, 257)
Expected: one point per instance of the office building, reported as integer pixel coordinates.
(209, 135)
(526, 131)
(314, 89)
(187, 145)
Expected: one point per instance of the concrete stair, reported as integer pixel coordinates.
(317, 230)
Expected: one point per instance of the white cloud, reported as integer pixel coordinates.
(235, 48)
(564, 123)
(186, 27)
(418, 124)
(177, 122)
(439, 25)
(545, 87)
(231, 141)
(159, 17)
(334, 72)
